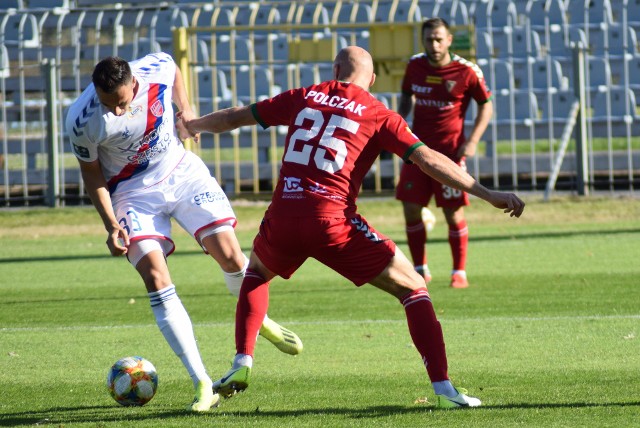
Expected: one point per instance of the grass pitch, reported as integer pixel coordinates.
(547, 334)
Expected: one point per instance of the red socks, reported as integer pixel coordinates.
(416, 239)
(459, 242)
(426, 333)
(251, 310)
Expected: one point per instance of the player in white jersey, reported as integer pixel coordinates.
(139, 175)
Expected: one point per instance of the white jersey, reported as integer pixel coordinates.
(139, 148)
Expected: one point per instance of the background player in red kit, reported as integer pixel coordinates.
(443, 84)
(336, 131)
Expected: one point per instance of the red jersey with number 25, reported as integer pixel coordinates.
(336, 131)
(442, 95)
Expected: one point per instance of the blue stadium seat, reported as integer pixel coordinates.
(212, 87)
(613, 111)
(356, 12)
(589, 13)
(495, 15)
(525, 43)
(498, 73)
(538, 12)
(48, 4)
(539, 74)
(455, 12)
(11, 4)
(19, 29)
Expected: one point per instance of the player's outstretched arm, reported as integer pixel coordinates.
(447, 172)
(221, 121)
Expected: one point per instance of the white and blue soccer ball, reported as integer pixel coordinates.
(428, 219)
(132, 381)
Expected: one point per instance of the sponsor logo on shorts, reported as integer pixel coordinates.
(209, 197)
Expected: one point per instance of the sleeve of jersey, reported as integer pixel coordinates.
(480, 91)
(276, 110)
(76, 126)
(406, 81)
(396, 136)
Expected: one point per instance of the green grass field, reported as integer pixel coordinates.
(547, 335)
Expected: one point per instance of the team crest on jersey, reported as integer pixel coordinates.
(157, 109)
(450, 84)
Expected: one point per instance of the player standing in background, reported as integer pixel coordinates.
(336, 130)
(443, 84)
(139, 175)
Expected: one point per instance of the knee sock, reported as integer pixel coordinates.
(251, 310)
(459, 241)
(175, 325)
(426, 333)
(234, 279)
(416, 240)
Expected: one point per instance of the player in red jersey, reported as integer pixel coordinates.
(336, 131)
(442, 84)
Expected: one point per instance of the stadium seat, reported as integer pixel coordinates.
(588, 13)
(555, 106)
(540, 74)
(12, 4)
(613, 110)
(455, 12)
(356, 12)
(19, 29)
(230, 49)
(494, 15)
(515, 113)
(498, 73)
(397, 11)
(525, 43)
(253, 83)
(212, 87)
(539, 12)
(49, 4)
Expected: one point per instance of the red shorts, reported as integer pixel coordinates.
(347, 245)
(417, 187)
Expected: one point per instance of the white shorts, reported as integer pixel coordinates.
(189, 194)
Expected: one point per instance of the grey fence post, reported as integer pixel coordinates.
(51, 112)
(579, 88)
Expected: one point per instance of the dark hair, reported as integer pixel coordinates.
(432, 23)
(111, 73)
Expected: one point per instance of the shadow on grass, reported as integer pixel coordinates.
(62, 415)
(178, 254)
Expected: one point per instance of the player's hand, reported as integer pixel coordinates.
(509, 202)
(182, 125)
(118, 241)
(468, 149)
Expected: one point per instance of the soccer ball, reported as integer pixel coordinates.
(132, 381)
(428, 219)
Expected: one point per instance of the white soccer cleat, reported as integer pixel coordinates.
(459, 401)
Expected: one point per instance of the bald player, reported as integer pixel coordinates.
(336, 130)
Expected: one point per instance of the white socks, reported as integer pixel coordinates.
(234, 279)
(242, 360)
(444, 388)
(175, 325)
